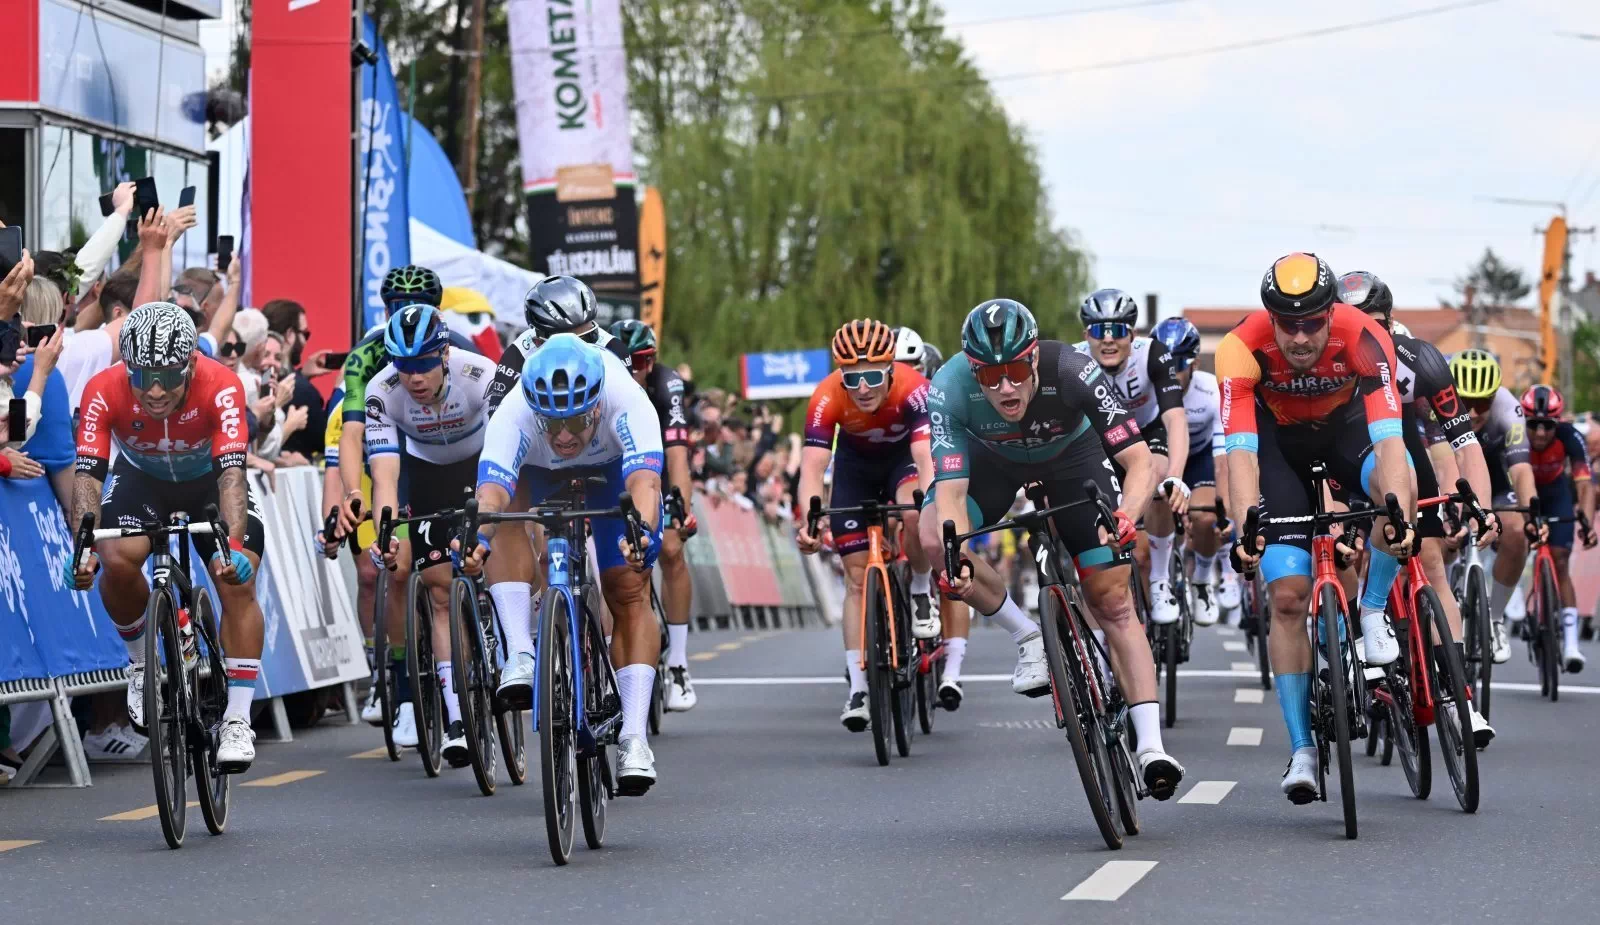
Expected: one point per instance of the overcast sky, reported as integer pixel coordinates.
(1371, 147)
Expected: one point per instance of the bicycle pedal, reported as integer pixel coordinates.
(1037, 692)
(1300, 796)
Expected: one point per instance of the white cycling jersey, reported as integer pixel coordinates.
(629, 430)
(446, 431)
(1147, 383)
(1202, 404)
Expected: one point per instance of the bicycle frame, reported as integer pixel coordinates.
(1403, 607)
(565, 559)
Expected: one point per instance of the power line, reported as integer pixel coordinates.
(1316, 226)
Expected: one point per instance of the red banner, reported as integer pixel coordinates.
(300, 190)
(19, 53)
(742, 555)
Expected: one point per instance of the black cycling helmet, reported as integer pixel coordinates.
(1367, 292)
(932, 359)
(558, 303)
(410, 284)
(999, 331)
(636, 336)
(1299, 285)
(1108, 305)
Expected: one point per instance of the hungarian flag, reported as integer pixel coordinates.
(469, 314)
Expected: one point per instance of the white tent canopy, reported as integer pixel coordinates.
(504, 284)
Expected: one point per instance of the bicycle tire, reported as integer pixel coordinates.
(1457, 747)
(1405, 737)
(591, 785)
(388, 693)
(928, 684)
(880, 680)
(1550, 631)
(165, 717)
(1052, 613)
(426, 696)
(1170, 644)
(468, 659)
(1372, 739)
(512, 726)
(1263, 614)
(658, 696)
(1329, 615)
(211, 695)
(1479, 639)
(556, 721)
(1127, 793)
(903, 702)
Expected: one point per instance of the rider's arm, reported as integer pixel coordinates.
(947, 446)
(916, 420)
(1578, 461)
(1139, 480)
(1372, 359)
(94, 445)
(1163, 373)
(230, 443)
(637, 430)
(817, 449)
(674, 437)
(1237, 375)
(504, 452)
(508, 372)
(353, 412)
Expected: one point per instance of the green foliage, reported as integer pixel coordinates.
(1585, 367)
(1494, 283)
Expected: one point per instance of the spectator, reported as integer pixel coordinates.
(287, 318)
(49, 448)
(718, 443)
(259, 372)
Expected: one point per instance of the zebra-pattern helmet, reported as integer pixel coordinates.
(157, 335)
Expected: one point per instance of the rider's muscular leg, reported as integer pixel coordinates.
(1159, 527)
(1563, 556)
(1109, 597)
(1291, 655)
(243, 631)
(1203, 538)
(855, 571)
(1433, 567)
(436, 579)
(1509, 560)
(675, 597)
(911, 536)
(957, 619)
(123, 589)
(508, 572)
(635, 643)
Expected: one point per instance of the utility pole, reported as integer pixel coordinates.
(1564, 291)
(469, 166)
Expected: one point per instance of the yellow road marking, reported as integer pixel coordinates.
(7, 845)
(278, 780)
(728, 646)
(702, 656)
(143, 812)
(381, 751)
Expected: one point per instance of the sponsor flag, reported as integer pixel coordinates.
(386, 218)
(652, 260)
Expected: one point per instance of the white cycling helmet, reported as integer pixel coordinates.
(908, 346)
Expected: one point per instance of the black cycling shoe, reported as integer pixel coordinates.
(950, 695)
(855, 716)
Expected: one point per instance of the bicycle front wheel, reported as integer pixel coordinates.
(426, 692)
(1065, 657)
(384, 679)
(902, 670)
(1476, 630)
(1170, 643)
(1403, 734)
(1549, 638)
(928, 683)
(1263, 617)
(555, 702)
(880, 679)
(165, 714)
(1457, 748)
(1330, 616)
(211, 693)
(472, 684)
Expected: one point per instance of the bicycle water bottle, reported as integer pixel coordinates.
(191, 647)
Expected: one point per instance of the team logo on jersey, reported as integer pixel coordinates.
(1109, 406)
(1089, 373)
(375, 409)
(138, 425)
(952, 463)
(473, 372)
(189, 415)
(1116, 435)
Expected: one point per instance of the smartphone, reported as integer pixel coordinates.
(186, 198)
(106, 205)
(224, 252)
(18, 423)
(10, 248)
(145, 197)
(264, 390)
(334, 359)
(40, 333)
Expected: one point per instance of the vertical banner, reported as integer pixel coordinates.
(1555, 253)
(652, 260)
(570, 73)
(386, 223)
(300, 177)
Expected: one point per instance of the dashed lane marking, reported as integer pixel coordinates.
(143, 812)
(1246, 695)
(1227, 631)
(278, 780)
(381, 751)
(702, 657)
(1019, 724)
(1244, 735)
(1112, 880)
(728, 646)
(14, 843)
(1209, 792)
(1243, 666)
(1234, 645)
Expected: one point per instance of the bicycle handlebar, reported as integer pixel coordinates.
(873, 511)
(333, 521)
(1105, 518)
(211, 524)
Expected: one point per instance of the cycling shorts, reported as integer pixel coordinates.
(1200, 471)
(857, 479)
(1555, 500)
(431, 488)
(607, 531)
(131, 498)
(1155, 436)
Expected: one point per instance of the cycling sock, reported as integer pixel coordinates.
(366, 644)
(858, 675)
(1569, 627)
(1381, 573)
(1014, 620)
(452, 703)
(1227, 567)
(1294, 698)
(954, 651)
(920, 582)
(1147, 725)
(677, 645)
(1499, 597)
(512, 602)
(1160, 557)
(133, 638)
(401, 674)
(242, 674)
(1204, 566)
(637, 683)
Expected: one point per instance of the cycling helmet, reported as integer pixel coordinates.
(1180, 336)
(1108, 305)
(1367, 292)
(563, 378)
(1298, 285)
(932, 359)
(1399, 329)
(999, 331)
(863, 341)
(1476, 372)
(411, 284)
(1543, 403)
(558, 303)
(415, 330)
(908, 346)
(157, 335)
(636, 336)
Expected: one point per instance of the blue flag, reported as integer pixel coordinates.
(386, 219)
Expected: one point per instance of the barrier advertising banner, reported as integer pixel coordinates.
(787, 374)
(386, 216)
(742, 554)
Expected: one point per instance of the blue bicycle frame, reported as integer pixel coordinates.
(558, 582)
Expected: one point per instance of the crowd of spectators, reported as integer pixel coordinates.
(740, 453)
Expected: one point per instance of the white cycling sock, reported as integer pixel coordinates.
(636, 683)
(512, 602)
(1147, 725)
(1160, 557)
(921, 582)
(1569, 627)
(677, 645)
(858, 675)
(242, 674)
(1203, 568)
(1499, 596)
(452, 703)
(954, 651)
(1014, 620)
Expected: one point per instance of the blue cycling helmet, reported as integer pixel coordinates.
(415, 330)
(563, 378)
(1180, 336)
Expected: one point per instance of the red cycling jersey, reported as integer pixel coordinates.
(206, 434)
(1550, 463)
(1359, 357)
(904, 413)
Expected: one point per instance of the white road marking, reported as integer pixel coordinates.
(1227, 631)
(1112, 880)
(1247, 667)
(1234, 645)
(781, 680)
(1208, 791)
(1244, 735)
(1249, 695)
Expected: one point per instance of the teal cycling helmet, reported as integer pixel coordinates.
(999, 331)
(636, 336)
(409, 284)
(415, 330)
(563, 378)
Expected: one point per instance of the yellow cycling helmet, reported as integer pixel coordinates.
(1476, 372)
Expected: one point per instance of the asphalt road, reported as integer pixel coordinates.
(767, 810)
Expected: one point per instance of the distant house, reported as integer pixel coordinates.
(1586, 301)
(1512, 335)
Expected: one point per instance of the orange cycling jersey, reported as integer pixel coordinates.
(903, 414)
(1359, 358)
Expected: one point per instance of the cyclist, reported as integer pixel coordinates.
(176, 421)
(1311, 379)
(1014, 410)
(1144, 376)
(665, 388)
(1429, 411)
(879, 411)
(433, 401)
(1200, 470)
(578, 413)
(1561, 471)
(1498, 421)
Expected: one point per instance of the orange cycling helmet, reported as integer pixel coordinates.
(1299, 285)
(863, 341)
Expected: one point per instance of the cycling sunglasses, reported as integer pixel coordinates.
(643, 361)
(1480, 405)
(1116, 330)
(872, 378)
(1301, 325)
(574, 425)
(413, 366)
(990, 376)
(169, 378)
(1542, 424)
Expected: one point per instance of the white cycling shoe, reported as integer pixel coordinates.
(236, 745)
(1229, 593)
(924, 618)
(136, 697)
(636, 767)
(1163, 605)
(1502, 643)
(405, 726)
(516, 683)
(1482, 732)
(1161, 773)
(856, 716)
(1300, 777)
(1573, 657)
(681, 697)
(1379, 643)
(373, 711)
(1031, 677)
(1205, 606)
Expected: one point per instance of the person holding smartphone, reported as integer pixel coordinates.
(46, 444)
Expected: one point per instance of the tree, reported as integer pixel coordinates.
(1489, 287)
(1585, 367)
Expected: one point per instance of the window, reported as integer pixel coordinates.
(55, 218)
